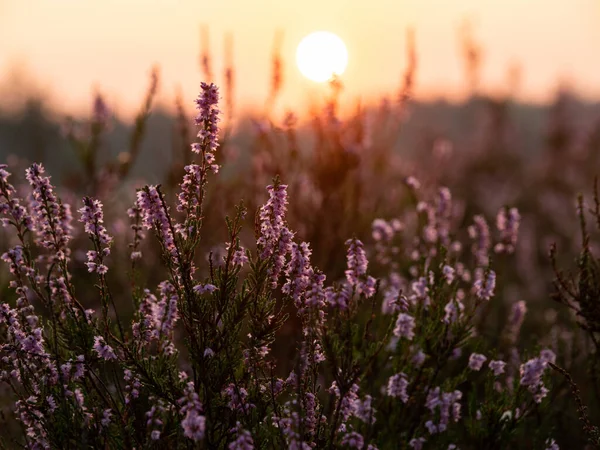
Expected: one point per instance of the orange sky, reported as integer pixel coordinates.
(73, 47)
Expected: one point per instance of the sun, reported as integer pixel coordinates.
(321, 55)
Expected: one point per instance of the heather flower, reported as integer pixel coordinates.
(382, 231)
(237, 398)
(419, 358)
(275, 240)
(476, 361)
(515, 320)
(243, 440)
(480, 233)
(453, 310)
(449, 273)
(135, 214)
(508, 226)
(363, 409)
(348, 402)
(106, 417)
(449, 407)
(353, 440)
(193, 424)
(204, 288)
(420, 291)
(51, 218)
(207, 119)
(551, 444)
(155, 214)
(531, 377)
(239, 257)
(547, 356)
(405, 325)
(357, 268)
(484, 290)
(298, 272)
(497, 366)
(190, 197)
(92, 217)
(10, 205)
(103, 350)
(132, 386)
(397, 385)
(417, 443)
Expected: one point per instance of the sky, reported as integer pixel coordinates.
(74, 48)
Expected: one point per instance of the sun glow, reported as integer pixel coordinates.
(321, 55)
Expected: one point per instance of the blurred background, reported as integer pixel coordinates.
(66, 50)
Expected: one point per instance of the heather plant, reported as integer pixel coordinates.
(398, 361)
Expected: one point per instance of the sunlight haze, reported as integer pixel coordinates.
(74, 47)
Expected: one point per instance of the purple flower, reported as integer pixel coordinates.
(485, 290)
(508, 226)
(363, 409)
(298, 272)
(204, 288)
(10, 205)
(92, 217)
(382, 231)
(275, 240)
(476, 361)
(449, 273)
(243, 440)
(353, 440)
(103, 350)
(497, 366)
(405, 326)
(397, 385)
(417, 443)
(191, 190)
(208, 121)
(515, 320)
(51, 218)
(531, 377)
(193, 424)
(480, 233)
(155, 214)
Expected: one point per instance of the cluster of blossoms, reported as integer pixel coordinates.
(193, 423)
(357, 281)
(228, 394)
(532, 372)
(508, 226)
(449, 408)
(155, 214)
(275, 240)
(484, 288)
(208, 121)
(92, 217)
(10, 205)
(480, 233)
(103, 350)
(397, 385)
(51, 218)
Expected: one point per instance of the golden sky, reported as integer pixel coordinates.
(74, 47)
